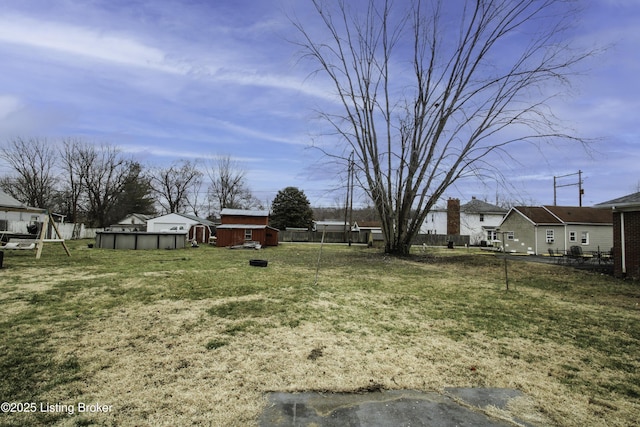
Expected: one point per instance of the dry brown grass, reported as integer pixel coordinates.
(172, 343)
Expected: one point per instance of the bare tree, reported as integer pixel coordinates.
(34, 171)
(195, 201)
(228, 188)
(174, 185)
(73, 180)
(423, 107)
(105, 173)
(99, 184)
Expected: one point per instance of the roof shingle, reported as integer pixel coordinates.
(565, 215)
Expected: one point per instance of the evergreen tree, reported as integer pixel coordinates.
(291, 208)
(136, 196)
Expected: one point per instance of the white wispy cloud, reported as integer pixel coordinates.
(126, 50)
(83, 41)
(9, 104)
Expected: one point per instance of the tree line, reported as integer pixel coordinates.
(99, 184)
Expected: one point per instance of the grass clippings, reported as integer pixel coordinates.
(198, 337)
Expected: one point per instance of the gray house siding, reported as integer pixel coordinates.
(542, 246)
(536, 230)
(523, 233)
(599, 237)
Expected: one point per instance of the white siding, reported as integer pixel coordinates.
(435, 223)
(168, 221)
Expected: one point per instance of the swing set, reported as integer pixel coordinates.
(37, 243)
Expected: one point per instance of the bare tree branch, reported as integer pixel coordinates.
(422, 107)
(34, 171)
(176, 185)
(228, 187)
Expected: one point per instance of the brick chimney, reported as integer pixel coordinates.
(453, 216)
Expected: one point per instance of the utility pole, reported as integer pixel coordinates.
(579, 184)
(580, 189)
(351, 178)
(347, 228)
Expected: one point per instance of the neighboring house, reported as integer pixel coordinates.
(435, 222)
(132, 222)
(136, 219)
(626, 234)
(194, 227)
(476, 219)
(332, 226)
(480, 220)
(536, 229)
(15, 217)
(240, 226)
(20, 221)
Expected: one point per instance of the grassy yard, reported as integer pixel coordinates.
(197, 336)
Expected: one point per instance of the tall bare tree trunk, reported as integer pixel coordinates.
(430, 91)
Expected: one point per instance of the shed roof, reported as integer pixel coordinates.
(243, 212)
(244, 227)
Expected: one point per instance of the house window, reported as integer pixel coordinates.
(510, 235)
(492, 235)
(248, 235)
(572, 236)
(550, 236)
(584, 238)
(481, 217)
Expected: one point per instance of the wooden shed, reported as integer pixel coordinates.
(200, 233)
(240, 226)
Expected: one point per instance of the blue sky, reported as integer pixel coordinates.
(167, 80)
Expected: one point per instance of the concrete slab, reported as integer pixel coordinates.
(385, 408)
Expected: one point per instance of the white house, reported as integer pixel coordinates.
(175, 222)
(15, 217)
(132, 222)
(135, 219)
(476, 219)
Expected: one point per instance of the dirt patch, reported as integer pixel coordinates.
(315, 354)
